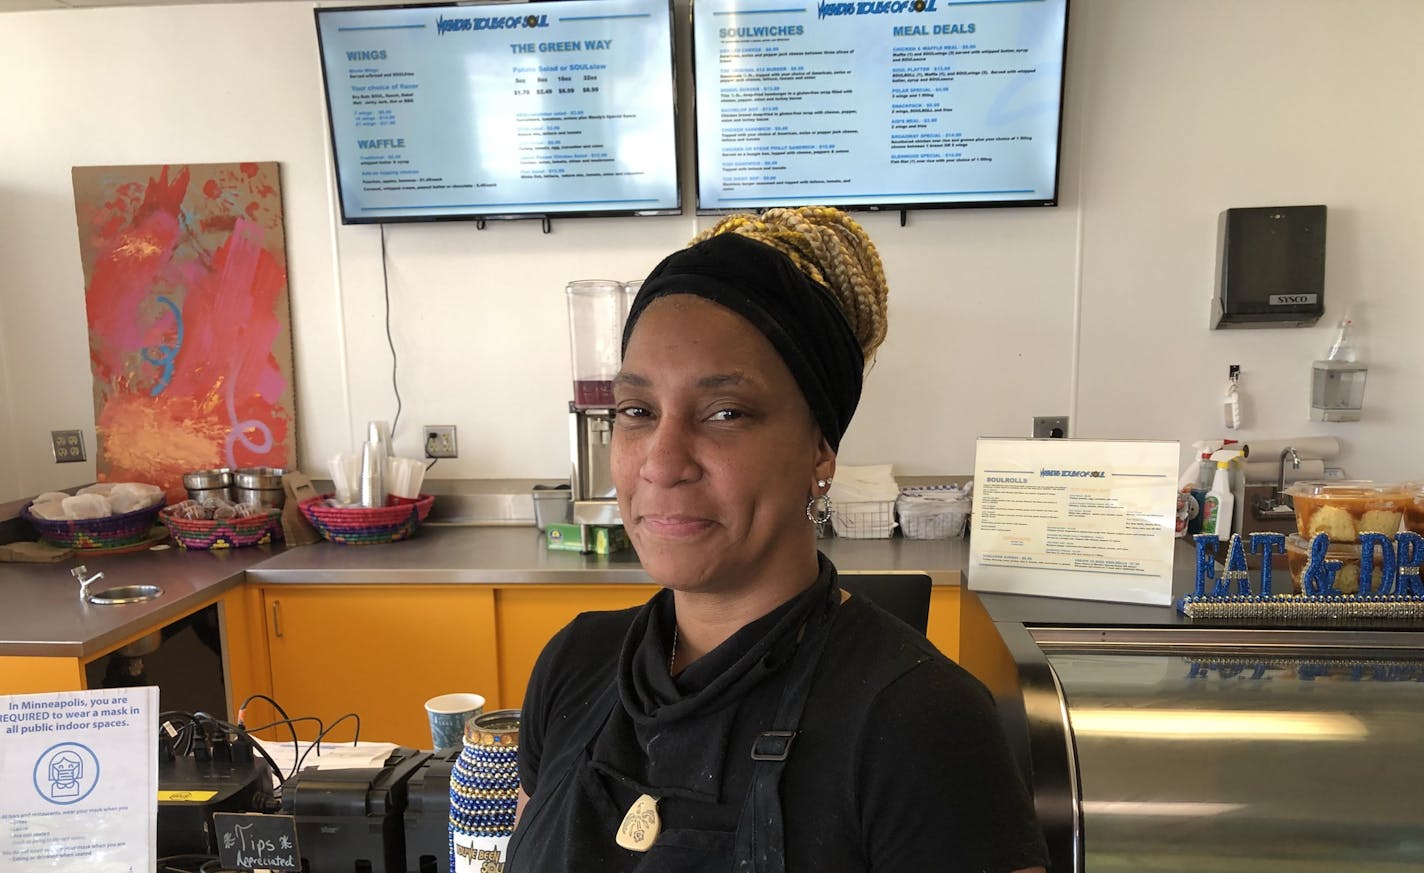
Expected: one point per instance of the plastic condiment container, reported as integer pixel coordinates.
(1347, 578)
(1414, 507)
(1346, 508)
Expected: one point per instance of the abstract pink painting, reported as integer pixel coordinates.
(185, 276)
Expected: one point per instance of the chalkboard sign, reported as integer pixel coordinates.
(252, 841)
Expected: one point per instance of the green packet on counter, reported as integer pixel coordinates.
(601, 540)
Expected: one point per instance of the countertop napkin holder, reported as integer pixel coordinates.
(295, 527)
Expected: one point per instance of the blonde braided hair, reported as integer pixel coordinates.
(831, 248)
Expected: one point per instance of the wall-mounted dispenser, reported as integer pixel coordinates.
(1270, 267)
(1337, 384)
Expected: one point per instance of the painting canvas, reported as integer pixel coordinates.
(185, 275)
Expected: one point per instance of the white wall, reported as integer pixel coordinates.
(1190, 108)
(9, 472)
(1096, 308)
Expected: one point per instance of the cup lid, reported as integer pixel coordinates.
(1344, 488)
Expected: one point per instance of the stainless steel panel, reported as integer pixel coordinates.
(592, 433)
(1308, 761)
(596, 512)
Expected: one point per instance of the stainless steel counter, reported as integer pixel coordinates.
(512, 555)
(42, 614)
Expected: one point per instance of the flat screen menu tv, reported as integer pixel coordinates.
(505, 110)
(878, 104)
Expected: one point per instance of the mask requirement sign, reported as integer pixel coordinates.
(79, 781)
(1086, 519)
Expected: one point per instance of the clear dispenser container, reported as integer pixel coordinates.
(1337, 390)
(1337, 384)
(596, 314)
(630, 292)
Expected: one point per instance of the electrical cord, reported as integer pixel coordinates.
(165, 863)
(182, 736)
(390, 340)
(242, 712)
(354, 740)
(290, 722)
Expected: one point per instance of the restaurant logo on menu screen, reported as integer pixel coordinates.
(445, 25)
(874, 7)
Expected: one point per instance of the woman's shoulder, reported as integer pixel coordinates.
(588, 643)
(869, 645)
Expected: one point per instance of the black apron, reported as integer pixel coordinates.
(549, 839)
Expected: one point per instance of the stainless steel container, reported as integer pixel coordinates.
(553, 504)
(202, 484)
(259, 486)
(1222, 749)
(202, 494)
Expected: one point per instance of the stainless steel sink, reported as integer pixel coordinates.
(125, 594)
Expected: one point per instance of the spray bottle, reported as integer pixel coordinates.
(1220, 502)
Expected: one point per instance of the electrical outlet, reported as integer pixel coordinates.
(1055, 426)
(440, 441)
(68, 446)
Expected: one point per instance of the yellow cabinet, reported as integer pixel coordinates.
(380, 651)
(530, 615)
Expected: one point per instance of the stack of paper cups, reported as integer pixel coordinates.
(373, 469)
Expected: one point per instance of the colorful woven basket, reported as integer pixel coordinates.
(224, 533)
(112, 532)
(358, 525)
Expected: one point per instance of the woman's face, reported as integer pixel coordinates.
(715, 451)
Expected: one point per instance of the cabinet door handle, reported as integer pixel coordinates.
(276, 618)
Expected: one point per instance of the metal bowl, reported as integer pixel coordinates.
(201, 494)
(207, 480)
(274, 498)
(259, 478)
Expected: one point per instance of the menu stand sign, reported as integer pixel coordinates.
(1085, 519)
(254, 841)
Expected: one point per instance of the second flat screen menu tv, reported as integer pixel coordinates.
(878, 103)
(506, 110)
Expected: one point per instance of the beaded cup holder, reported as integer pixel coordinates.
(484, 791)
(1399, 594)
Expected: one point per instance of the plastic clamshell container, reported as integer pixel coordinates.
(1346, 508)
(1347, 578)
(1414, 507)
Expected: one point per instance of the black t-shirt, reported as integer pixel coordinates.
(900, 763)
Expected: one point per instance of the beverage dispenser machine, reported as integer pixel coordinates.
(597, 310)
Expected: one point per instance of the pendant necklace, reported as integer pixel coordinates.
(641, 825)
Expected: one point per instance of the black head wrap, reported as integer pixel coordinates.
(797, 314)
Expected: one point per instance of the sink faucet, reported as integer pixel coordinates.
(78, 573)
(1287, 452)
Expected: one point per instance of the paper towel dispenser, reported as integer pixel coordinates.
(1270, 267)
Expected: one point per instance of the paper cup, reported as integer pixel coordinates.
(448, 714)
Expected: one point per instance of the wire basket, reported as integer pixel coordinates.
(947, 524)
(110, 532)
(224, 533)
(361, 525)
(864, 519)
(932, 513)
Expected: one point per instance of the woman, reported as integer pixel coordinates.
(752, 716)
